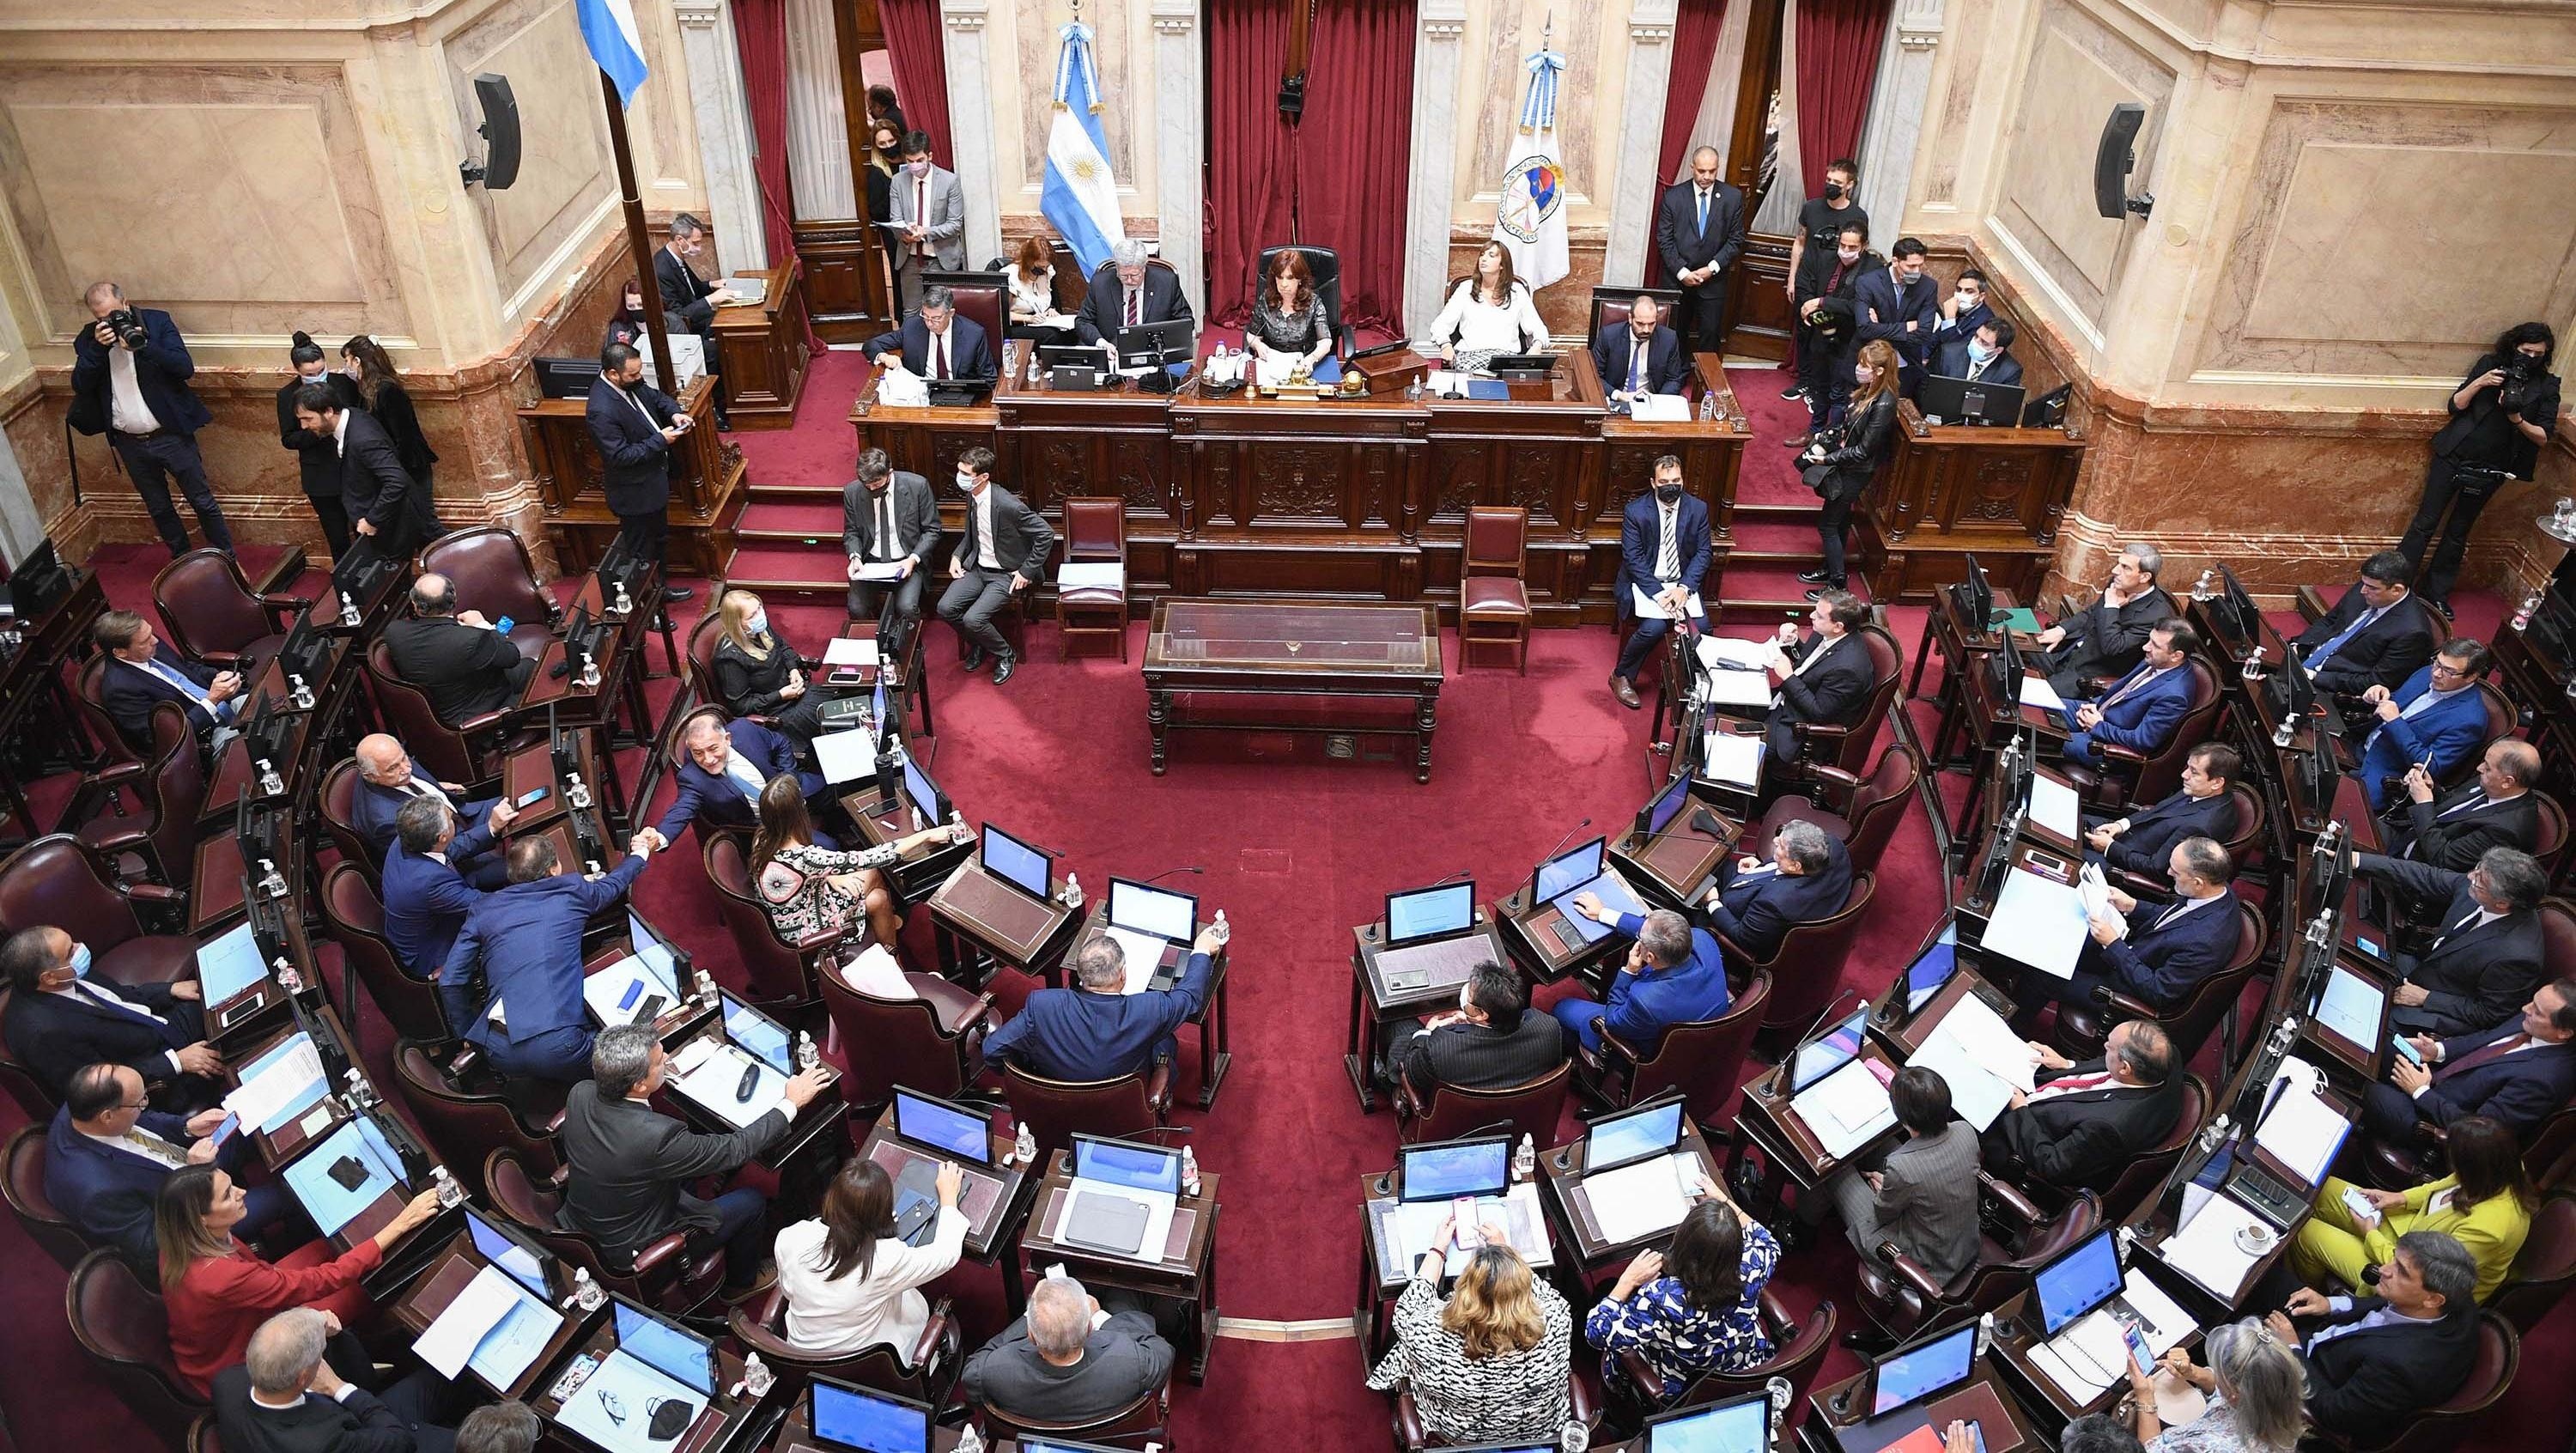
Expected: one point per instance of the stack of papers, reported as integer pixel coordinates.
(493, 1327)
(709, 1074)
(1980, 1058)
(1410, 1224)
(1846, 1109)
(279, 1084)
(1091, 575)
(2303, 1133)
(1730, 759)
(2039, 923)
(2205, 1248)
(850, 650)
(847, 757)
(882, 571)
(2053, 805)
(2092, 1354)
(2095, 891)
(1641, 1200)
(1659, 409)
(1724, 652)
(2035, 691)
(1644, 608)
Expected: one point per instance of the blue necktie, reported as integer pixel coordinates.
(2326, 652)
(195, 693)
(1703, 214)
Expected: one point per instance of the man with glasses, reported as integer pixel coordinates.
(2433, 721)
(108, 1151)
(2486, 952)
(141, 673)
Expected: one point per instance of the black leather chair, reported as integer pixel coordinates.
(1326, 265)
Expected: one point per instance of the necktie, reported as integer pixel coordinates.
(1974, 369)
(2166, 917)
(106, 1000)
(939, 354)
(1135, 308)
(179, 679)
(921, 213)
(2132, 684)
(2487, 1054)
(2326, 652)
(1813, 657)
(2071, 1085)
(1668, 555)
(152, 1147)
(1703, 211)
(1637, 361)
(2465, 921)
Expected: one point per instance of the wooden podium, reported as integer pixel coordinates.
(762, 349)
(1953, 490)
(706, 491)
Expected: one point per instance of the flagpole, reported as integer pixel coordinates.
(639, 243)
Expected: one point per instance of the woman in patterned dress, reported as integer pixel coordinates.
(1696, 1308)
(2257, 1388)
(1491, 1364)
(808, 889)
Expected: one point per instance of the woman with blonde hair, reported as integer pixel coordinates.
(2257, 1389)
(1491, 1364)
(1842, 461)
(758, 674)
(810, 889)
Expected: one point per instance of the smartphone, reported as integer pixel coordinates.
(650, 1013)
(634, 992)
(532, 797)
(2406, 1047)
(1463, 1210)
(1977, 1437)
(225, 1131)
(2137, 1341)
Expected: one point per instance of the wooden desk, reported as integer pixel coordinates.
(1239, 666)
(1383, 1282)
(1765, 1120)
(1588, 1252)
(1961, 645)
(455, 1266)
(320, 1118)
(1376, 1004)
(1004, 927)
(716, 1424)
(1955, 490)
(1836, 1420)
(1545, 945)
(1182, 1270)
(762, 350)
(913, 875)
(1678, 866)
(618, 651)
(1215, 1058)
(905, 681)
(2013, 1343)
(706, 493)
(796, 1432)
(990, 1197)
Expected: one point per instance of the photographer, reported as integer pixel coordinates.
(1827, 325)
(130, 381)
(2500, 417)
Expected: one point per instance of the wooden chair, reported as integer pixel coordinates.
(211, 614)
(491, 571)
(1798, 1351)
(22, 1185)
(2446, 1422)
(1532, 1109)
(781, 974)
(121, 1323)
(61, 882)
(469, 751)
(1871, 809)
(1702, 1059)
(2241, 844)
(1831, 744)
(338, 804)
(2081, 1029)
(31, 1095)
(171, 792)
(2544, 1268)
(932, 1042)
(926, 1371)
(1411, 1435)
(2550, 846)
(1493, 596)
(1055, 1111)
(1142, 1422)
(1807, 967)
(1095, 533)
(2125, 774)
(2145, 1173)
(663, 1275)
(1902, 1300)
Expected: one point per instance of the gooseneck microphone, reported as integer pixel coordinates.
(1561, 842)
(1167, 872)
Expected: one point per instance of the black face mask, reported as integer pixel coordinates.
(1668, 493)
(1833, 191)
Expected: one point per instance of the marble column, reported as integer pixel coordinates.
(1432, 176)
(1641, 138)
(725, 145)
(20, 530)
(971, 80)
(1180, 122)
(1889, 138)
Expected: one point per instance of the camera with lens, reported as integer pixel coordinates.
(2519, 372)
(127, 325)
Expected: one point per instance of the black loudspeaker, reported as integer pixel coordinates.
(1292, 97)
(2112, 159)
(500, 131)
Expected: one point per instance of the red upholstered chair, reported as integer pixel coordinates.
(2551, 845)
(932, 1042)
(1901, 1299)
(2241, 845)
(2082, 1028)
(1532, 1109)
(702, 664)
(338, 801)
(1095, 533)
(1825, 743)
(1141, 1422)
(58, 880)
(2446, 1422)
(1807, 968)
(1797, 1354)
(119, 763)
(1057, 1110)
(466, 1125)
(204, 1435)
(926, 1371)
(663, 1277)
(171, 792)
(1702, 1059)
(1493, 599)
(2543, 1269)
(22, 1184)
(211, 614)
(355, 920)
(2557, 938)
(120, 1323)
(2502, 722)
(492, 573)
(466, 752)
(979, 299)
(20, 1082)
(2129, 775)
(1869, 808)
(781, 974)
(2144, 1175)
(1610, 310)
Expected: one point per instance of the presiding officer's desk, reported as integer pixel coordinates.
(1215, 1057)
(1377, 1003)
(1182, 1269)
(762, 349)
(1337, 669)
(1590, 1253)
(1838, 1422)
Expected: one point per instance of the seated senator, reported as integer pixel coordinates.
(1128, 293)
(2454, 830)
(1093, 1029)
(2438, 717)
(2107, 637)
(2140, 710)
(2155, 952)
(1827, 681)
(2084, 1122)
(1919, 1195)
(2377, 635)
(936, 343)
(1982, 355)
(455, 658)
(2485, 1203)
(809, 888)
(426, 899)
(2487, 954)
(1640, 356)
(107, 1153)
(1695, 1307)
(388, 778)
(286, 1397)
(1031, 280)
(510, 1427)
(2375, 1361)
(2143, 841)
(1490, 1363)
(2255, 1385)
(1488, 315)
(1289, 322)
(759, 674)
(1069, 1360)
(1756, 903)
(61, 1018)
(1663, 555)
(140, 673)
(2519, 1072)
(1673, 975)
(849, 1281)
(519, 953)
(722, 767)
(1493, 1040)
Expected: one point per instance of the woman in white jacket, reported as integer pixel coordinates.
(849, 1283)
(1488, 314)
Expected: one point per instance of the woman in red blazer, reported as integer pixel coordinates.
(217, 1291)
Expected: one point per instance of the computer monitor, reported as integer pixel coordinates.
(1631, 1136)
(1567, 871)
(1158, 911)
(1832, 1050)
(1127, 1163)
(864, 1420)
(1957, 401)
(1422, 913)
(1664, 806)
(37, 583)
(1932, 968)
(922, 793)
(2077, 1282)
(2239, 606)
(1027, 868)
(566, 378)
(1150, 345)
(1979, 594)
(661, 961)
(943, 1126)
(1911, 1374)
(758, 1035)
(1522, 367)
(500, 1246)
(2350, 1013)
(1478, 1166)
(1737, 1425)
(667, 1347)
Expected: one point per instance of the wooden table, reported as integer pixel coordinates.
(762, 349)
(1953, 490)
(1544, 943)
(1239, 665)
(1182, 1270)
(1376, 1004)
(1677, 867)
(1589, 1253)
(991, 1197)
(707, 494)
(716, 1427)
(1837, 1421)
(1382, 1283)
(1002, 926)
(1766, 1121)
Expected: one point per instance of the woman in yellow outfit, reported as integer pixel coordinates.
(2486, 1202)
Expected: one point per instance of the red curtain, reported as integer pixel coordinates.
(760, 32)
(920, 56)
(1695, 32)
(1837, 60)
(1251, 171)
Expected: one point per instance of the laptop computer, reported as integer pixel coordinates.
(1154, 927)
(1432, 937)
(944, 1127)
(852, 1419)
(1583, 870)
(1736, 1425)
(1029, 868)
(1123, 1196)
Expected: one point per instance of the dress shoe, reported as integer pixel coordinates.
(1814, 577)
(1002, 667)
(1622, 688)
(723, 424)
(1819, 593)
(678, 593)
(973, 660)
(2443, 606)
(1793, 391)
(1800, 442)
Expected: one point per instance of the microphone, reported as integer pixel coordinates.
(2370, 1275)
(1780, 1076)
(1706, 821)
(1167, 872)
(1561, 842)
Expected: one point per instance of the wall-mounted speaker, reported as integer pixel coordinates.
(2113, 159)
(500, 130)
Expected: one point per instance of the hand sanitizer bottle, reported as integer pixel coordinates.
(1525, 1158)
(1189, 1171)
(1024, 1151)
(1224, 930)
(586, 1294)
(1072, 892)
(757, 1379)
(450, 1194)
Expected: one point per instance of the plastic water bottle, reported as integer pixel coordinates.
(586, 1294)
(757, 1379)
(2523, 613)
(1575, 1436)
(706, 987)
(1525, 1159)
(1072, 894)
(286, 975)
(349, 616)
(1024, 1151)
(807, 1056)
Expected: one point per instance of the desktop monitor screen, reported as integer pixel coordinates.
(660, 964)
(1738, 1425)
(229, 966)
(940, 1126)
(1913, 1373)
(1018, 864)
(1125, 1163)
(1634, 1135)
(764, 1038)
(1429, 912)
(2077, 1282)
(1667, 805)
(1838, 1047)
(498, 1248)
(922, 792)
(1162, 913)
(661, 1345)
(867, 1421)
(1925, 976)
(1568, 871)
(1459, 1168)
(2350, 1007)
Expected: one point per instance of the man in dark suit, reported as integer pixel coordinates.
(1756, 903)
(140, 673)
(60, 1020)
(2377, 1361)
(130, 372)
(317, 458)
(1673, 974)
(1063, 1363)
(1640, 356)
(888, 517)
(1984, 356)
(626, 1162)
(1491, 1041)
(1956, 319)
(520, 951)
(388, 778)
(426, 897)
(456, 659)
(1826, 324)
(1699, 231)
(2107, 637)
(375, 490)
(2203, 806)
(2496, 810)
(2485, 957)
(936, 343)
(2141, 710)
(1663, 556)
(286, 1397)
(2438, 717)
(2156, 952)
(635, 426)
(2519, 1072)
(1829, 679)
(692, 299)
(1898, 306)
(722, 767)
(1093, 1029)
(2086, 1121)
(2377, 635)
(1128, 293)
(1002, 552)
(106, 1156)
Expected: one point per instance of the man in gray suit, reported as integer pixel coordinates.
(1922, 1196)
(1069, 1361)
(887, 518)
(929, 219)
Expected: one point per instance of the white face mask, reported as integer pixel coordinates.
(1862, 374)
(356, 371)
(1849, 255)
(757, 623)
(965, 482)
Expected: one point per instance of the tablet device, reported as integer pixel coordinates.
(864, 1420)
(1836, 1048)
(1631, 1136)
(2077, 1282)
(1911, 1374)
(1429, 912)
(1027, 868)
(1458, 1168)
(948, 1129)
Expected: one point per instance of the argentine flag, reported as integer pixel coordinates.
(608, 28)
(1080, 199)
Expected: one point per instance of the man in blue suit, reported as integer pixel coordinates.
(936, 343)
(1956, 320)
(1899, 306)
(1756, 903)
(426, 898)
(388, 778)
(1663, 555)
(1674, 975)
(130, 372)
(2141, 709)
(2437, 717)
(140, 673)
(2166, 949)
(2143, 841)
(2377, 634)
(106, 1157)
(1093, 1030)
(636, 427)
(526, 939)
(2520, 1072)
(1644, 357)
(722, 768)
(1984, 355)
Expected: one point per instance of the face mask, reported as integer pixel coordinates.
(1668, 493)
(965, 483)
(356, 371)
(315, 374)
(80, 961)
(1979, 352)
(1861, 375)
(919, 168)
(1964, 301)
(1833, 191)
(1848, 255)
(758, 623)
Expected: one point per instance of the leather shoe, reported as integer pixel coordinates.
(1814, 577)
(1819, 592)
(973, 660)
(1002, 667)
(1626, 691)
(1800, 442)
(677, 593)
(1794, 391)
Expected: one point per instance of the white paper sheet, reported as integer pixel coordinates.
(451, 1339)
(1732, 759)
(1992, 1041)
(633, 1388)
(1638, 1200)
(2303, 1133)
(847, 757)
(1091, 575)
(2038, 922)
(2035, 691)
(506, 1352)
(850, 651)
(2205, 1248)
(1717, 651)
(1144, 954)
(880, 572)
(1738, 688)
(604, 989)
(2095, 891)
(1845, 1109)
(1644, 608)
(2053, 805)
(1410, 1225)
(1977, 1095)
(1659, 409)
(276, 1087)
(714, 1072)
